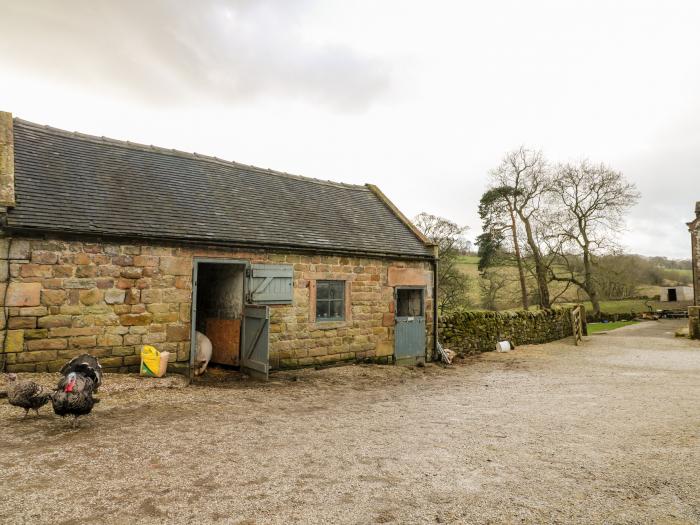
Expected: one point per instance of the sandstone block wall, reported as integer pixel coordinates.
(64, 298)
(694, 229)
(696, 262)
(694, 322)
(475, 332)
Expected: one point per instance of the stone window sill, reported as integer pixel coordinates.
(329, 325)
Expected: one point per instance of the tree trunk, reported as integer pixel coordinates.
(540, 267)
(595, 303)
(590, 286)
(516, 247)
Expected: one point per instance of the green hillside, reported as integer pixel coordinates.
(509, 294)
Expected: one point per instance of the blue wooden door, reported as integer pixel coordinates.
(254, 345)
(409, 332)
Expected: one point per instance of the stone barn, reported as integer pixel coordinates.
(671, 294)
(110, 245)
(694, 311)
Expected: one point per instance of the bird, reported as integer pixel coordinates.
(26, 394)
(86, 365)
(82, 377)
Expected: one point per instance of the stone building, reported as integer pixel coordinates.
(672, 294)
(694, 311)
(110, 245)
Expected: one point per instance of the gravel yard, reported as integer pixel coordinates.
(605, 432)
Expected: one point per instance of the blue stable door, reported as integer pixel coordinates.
(409, 334)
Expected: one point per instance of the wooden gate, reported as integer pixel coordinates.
(577, 324)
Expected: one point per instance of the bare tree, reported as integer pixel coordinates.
(453, 284)
(590, 202)
(492, 283)
(524, 177)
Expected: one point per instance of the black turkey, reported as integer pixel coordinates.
(26, 394)
(86, 365)
(82, 376)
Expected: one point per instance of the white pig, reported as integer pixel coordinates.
(203, 355)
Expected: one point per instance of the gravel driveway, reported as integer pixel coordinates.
(606, 432)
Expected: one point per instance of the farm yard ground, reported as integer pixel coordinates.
(604, 432)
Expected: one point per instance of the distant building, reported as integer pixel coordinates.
(676, 293)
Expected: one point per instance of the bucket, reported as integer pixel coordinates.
(503, 346)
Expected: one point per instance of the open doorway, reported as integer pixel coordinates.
(219, 308)
(237, 329)
(409, 302)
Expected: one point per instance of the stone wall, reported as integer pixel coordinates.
(694, 313)
(695, 234)
(475, 332)
(694, 322)
(64, 298)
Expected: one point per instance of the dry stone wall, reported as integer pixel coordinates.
(63, 298)
(694, 322)
(475, 332)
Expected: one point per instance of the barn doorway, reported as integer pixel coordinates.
(219, 301)
(672, 295)
(221, 310)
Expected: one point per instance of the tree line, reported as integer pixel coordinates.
(555, 223)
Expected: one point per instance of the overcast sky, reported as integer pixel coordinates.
(420, 98)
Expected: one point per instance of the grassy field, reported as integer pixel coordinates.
(606, 327)
(469, 259)
(468, 264)
(620, 307)
(510, 294)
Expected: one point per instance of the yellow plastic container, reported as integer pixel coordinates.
(153, 362)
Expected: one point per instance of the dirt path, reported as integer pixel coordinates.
(607, 432)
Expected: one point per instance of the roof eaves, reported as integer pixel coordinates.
(214, 242)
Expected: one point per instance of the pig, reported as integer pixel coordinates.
(203, 355)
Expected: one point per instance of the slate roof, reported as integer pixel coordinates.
(75, 183)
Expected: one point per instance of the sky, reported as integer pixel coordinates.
(422, 98)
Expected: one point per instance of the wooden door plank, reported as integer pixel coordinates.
(225, 336)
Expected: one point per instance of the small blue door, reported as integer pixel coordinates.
(409, 333)
(254, 341)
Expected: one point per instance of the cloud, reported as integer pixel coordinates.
(175, 51)
(451, 86)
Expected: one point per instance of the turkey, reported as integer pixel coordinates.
(87, 366)
(26, 394)
(82, 376)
